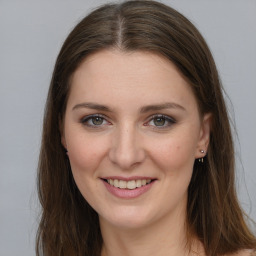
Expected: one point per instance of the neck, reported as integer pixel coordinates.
(166, 237)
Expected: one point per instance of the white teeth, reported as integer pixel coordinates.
(122, 184)
(116, 183)
(138, 183)
(131, 184)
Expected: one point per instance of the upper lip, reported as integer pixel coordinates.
(128, 178)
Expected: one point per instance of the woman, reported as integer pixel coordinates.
(137, 154)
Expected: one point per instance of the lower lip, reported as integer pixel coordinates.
(128, 193)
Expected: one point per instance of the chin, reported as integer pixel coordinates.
(128, 217)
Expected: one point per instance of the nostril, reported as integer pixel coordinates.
(127, 157)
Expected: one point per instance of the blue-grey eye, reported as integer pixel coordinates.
(97, 120)
(94, 121)
(159, 121)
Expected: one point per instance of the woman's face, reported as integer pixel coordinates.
(133, 131)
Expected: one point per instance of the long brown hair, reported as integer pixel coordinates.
(69, 226)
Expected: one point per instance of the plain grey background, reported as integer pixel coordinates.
(31, 34)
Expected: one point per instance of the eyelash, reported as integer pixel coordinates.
(167, 119)
(85, 121)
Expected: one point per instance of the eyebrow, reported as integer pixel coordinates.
(92, 106)
(145, 109)
(157, 107)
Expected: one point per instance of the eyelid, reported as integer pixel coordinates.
(169, 119)
(85, 119)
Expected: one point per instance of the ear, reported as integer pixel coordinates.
(204, 136)
(62, 133)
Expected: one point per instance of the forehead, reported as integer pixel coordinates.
(117, 77)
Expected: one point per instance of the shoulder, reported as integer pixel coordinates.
(245, 253)
(252, 253)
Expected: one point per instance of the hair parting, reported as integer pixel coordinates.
(69, 226)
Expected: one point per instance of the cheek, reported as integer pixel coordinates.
(85, 156)
(174, 152)
(85, 153)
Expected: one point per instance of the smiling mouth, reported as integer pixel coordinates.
(131, 184)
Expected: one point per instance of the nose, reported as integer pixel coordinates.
(126, 148)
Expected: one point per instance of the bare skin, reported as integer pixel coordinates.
(131, 116)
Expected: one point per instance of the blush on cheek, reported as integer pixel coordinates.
(85, 156)
(174, 157)
(80, 162)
